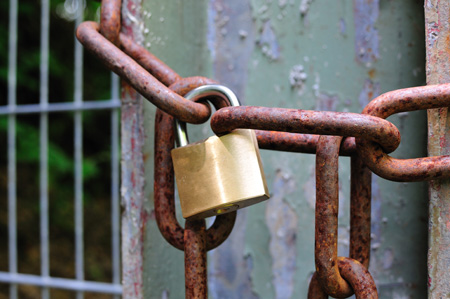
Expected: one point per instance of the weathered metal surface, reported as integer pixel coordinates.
(285, 54)
(164, 185)
(169, 282)
(437, 14)
(403, 100)
(301, 143)
(315, 291)
(148, 61)
(284, 233)
(110, 20)
(130, 71)
(360, 211)
(195, 260)
(306, 121)
(358, 277)
(355, 273)
(326, 226)
(135, 216)
(328, 278)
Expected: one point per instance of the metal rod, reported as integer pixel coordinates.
(59, 107)
(437, 72)
(12, 195)
(326, 226)
(43, 100)
(195, 259)
(61, 283)
(115, 212)
(78, 143)
(360, 211)
(147, 85)
(308, 122)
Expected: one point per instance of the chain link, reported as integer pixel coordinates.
(164, 180)
(403, 100)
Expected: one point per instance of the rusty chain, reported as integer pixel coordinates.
(367, 138)
(330, 278)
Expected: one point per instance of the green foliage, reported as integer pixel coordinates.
(61, 164)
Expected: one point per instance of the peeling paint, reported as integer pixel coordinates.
(366, 35)
(211, 34)
(309, 188)
(165, 294)
(388, 258)
(297, 77)
(134, 216)
(376, 214)
(268, 42)
(437, 14)
(326, 102)
(229, 270)
(282, 3)
(369, 91)
(342, 27)
(304, 7)
(322, 42)
(282, 222)
(231, 51)
(432, 33)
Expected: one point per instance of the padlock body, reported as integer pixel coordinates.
(219, 175)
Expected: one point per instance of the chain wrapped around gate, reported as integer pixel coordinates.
(367, 138)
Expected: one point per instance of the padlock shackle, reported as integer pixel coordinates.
(205, 91)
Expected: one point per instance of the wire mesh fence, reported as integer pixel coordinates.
(33, 152)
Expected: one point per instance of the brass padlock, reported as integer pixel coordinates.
(220, 174)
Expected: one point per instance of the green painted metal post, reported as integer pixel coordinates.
(305, 54)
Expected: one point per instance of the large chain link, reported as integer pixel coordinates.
(368, 138)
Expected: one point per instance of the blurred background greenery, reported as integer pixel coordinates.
(96, 150)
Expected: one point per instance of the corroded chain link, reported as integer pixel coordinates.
(330, 278)
(367, 138)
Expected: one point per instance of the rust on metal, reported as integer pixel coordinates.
(219, 231)
(402, 100)
(164, 192)
(326, 227)
(329, 279)
(110, 20)
(184, 85)
(368, 140)
(360, 211)
(315, 291)
(195, 259)
(164, 183)
(148, 61)
(298, 143)
(358, 277)
(140, 79)
(437, 14)
(307, 121)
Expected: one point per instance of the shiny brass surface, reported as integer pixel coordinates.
(219, 175)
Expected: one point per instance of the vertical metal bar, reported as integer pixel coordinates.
(78, 147)
(195, 259)
(44, 227)
(12, 195)
(437, 14)
(134, 216)
(115, 216)
(360, 211)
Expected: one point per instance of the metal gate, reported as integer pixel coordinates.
(11, 109)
